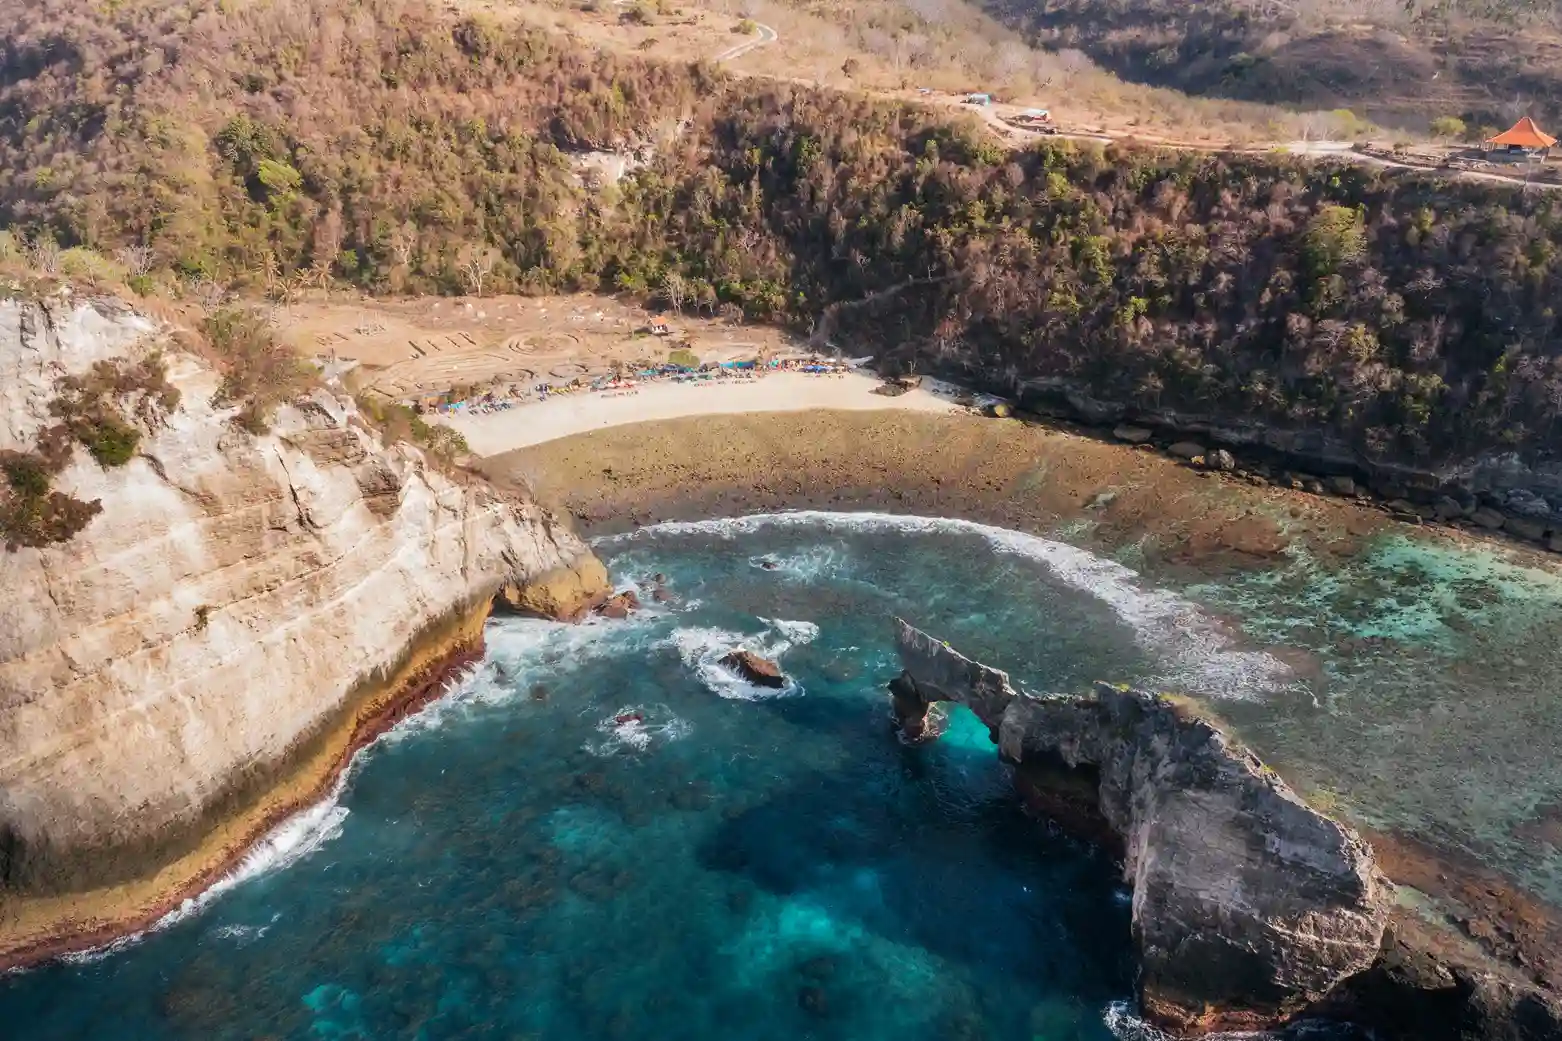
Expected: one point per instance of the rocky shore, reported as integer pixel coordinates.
(1486, 493)
(1475, 938)
(1251, 909)
(243, 612)
(1004, 472)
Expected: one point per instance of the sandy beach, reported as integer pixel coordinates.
(582, 413)
(1016, 475)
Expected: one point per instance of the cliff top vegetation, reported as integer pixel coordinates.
(397, 148)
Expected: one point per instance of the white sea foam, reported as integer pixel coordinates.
(1197, 655)
(242, 934)
(805, 565)
(702, 650)
(520, 653)
(793, 632)
(1125, 1025)
(635, 728)
(286, 844)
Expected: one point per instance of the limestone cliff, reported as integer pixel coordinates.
(242, 610)
(1248, 905)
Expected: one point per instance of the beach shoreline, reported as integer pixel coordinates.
(1025, 476)
(563, 415)
(1178, 523)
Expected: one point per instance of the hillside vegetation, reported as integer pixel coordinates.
(387, 146)
(1396, 62)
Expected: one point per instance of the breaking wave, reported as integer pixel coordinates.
(702, 650)
(286, 844)
(1196, 653)
(530, 646)
(805, 565)
(1125, 1025)
(635, 728)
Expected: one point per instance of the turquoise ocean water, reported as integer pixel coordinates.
(601, 834)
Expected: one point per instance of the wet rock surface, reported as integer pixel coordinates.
(619, 605)
(760, 671)
(566, 593)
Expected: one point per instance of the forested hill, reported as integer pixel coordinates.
(382, 144)
(1403, 63)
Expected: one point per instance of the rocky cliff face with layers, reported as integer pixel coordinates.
(201, 658)
(1248, 906)
(1250, 909)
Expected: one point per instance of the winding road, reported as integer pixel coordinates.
(764, 34)
(1343, 151)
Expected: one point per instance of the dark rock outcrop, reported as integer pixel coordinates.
(1222, 460)
(619, 605)
(761, 672)
(1249, 906)
(1524, 485)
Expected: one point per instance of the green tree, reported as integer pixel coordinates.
(1336, 236)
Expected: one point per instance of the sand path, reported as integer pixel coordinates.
(534, 424)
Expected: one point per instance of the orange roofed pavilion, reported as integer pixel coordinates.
(1523, 135)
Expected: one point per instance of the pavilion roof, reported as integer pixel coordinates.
(1524, 134)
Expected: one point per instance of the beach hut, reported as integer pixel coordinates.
(1524, 140)
(659, 326)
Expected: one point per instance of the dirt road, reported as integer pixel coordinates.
(763, 35)
(1342, 151)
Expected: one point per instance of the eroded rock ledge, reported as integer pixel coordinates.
(1248, 906)
(245, 610)
(1250, 909)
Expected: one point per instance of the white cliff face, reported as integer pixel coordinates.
(227, 601)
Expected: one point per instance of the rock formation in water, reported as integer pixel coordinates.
(1248, 905)
(245, 609)
(761, 672)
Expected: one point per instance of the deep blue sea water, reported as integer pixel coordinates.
(601, 834)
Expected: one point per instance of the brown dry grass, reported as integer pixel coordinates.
(424, 347)
(889, 49)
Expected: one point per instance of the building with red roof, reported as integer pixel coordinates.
(1524, 138)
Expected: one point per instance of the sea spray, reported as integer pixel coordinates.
(1124, 1023)
(286, 844)
(636, 728)
(1196, 653)
(702, 650)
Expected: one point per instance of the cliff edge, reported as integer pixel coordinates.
(1250, 908)
(239, 612)
(1248, 905)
